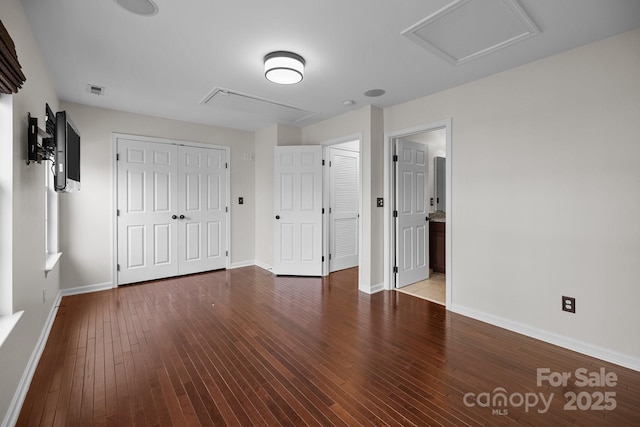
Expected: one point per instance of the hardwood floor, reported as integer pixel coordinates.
(243, 347)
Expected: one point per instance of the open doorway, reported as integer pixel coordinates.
(417, 214)
(419, 189)
(342, 204)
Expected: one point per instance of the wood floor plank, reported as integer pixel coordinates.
(169, 398)
(246, 348)
(64, 391)
(110, 391)
(40, 406)
(122, 416)
(100, 388)
(88, 383)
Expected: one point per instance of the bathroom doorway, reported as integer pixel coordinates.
(416, 185)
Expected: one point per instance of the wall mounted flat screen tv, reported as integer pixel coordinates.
(67, 158)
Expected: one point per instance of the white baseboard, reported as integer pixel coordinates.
(588, 349)
(242, 264)
(374, 289)
(13, 412)
(263, 265)
(86, 289)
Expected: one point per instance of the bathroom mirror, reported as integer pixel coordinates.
(440, 183)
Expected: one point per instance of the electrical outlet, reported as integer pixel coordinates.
(569, 304)
(380, 202)
(240, 200)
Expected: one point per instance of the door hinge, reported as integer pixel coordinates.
(226, 208)
(395, 269)
(117, 212)
(118, 267)
(395, 157)
(323, 211)
(226, 165)
(329, 163)
(322, 162)
(226, 253)
(395, 214)
(329, 257)
(323, 259)
(117, 157)
(329, 210)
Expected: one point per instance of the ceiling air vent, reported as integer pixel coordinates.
(95, 90)
(273, 111)
(468, 29)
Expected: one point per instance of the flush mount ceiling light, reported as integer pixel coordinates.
(139, 7)
(284, 68)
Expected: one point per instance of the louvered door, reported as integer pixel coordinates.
(343, 208)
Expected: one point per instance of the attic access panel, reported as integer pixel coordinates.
(272, 110)
(468, 29)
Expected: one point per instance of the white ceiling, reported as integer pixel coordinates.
(166, 65)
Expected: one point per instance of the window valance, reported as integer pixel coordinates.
(11, 76)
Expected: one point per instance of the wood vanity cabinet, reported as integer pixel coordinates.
(437, 246)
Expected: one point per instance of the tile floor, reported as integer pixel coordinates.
(432, 289)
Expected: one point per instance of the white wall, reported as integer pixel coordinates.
(289, 135)
(266, 140)
(23, 191)
(546, 194)
(86, 217)
(366, 121)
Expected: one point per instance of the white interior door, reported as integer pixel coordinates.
(412, 231)
(202, 206)
(298, 210)
(147, 231)
(343, 208)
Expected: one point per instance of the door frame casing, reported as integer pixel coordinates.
(388, 193)
(114, 194)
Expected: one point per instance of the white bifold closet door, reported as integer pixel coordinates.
(172, 214)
